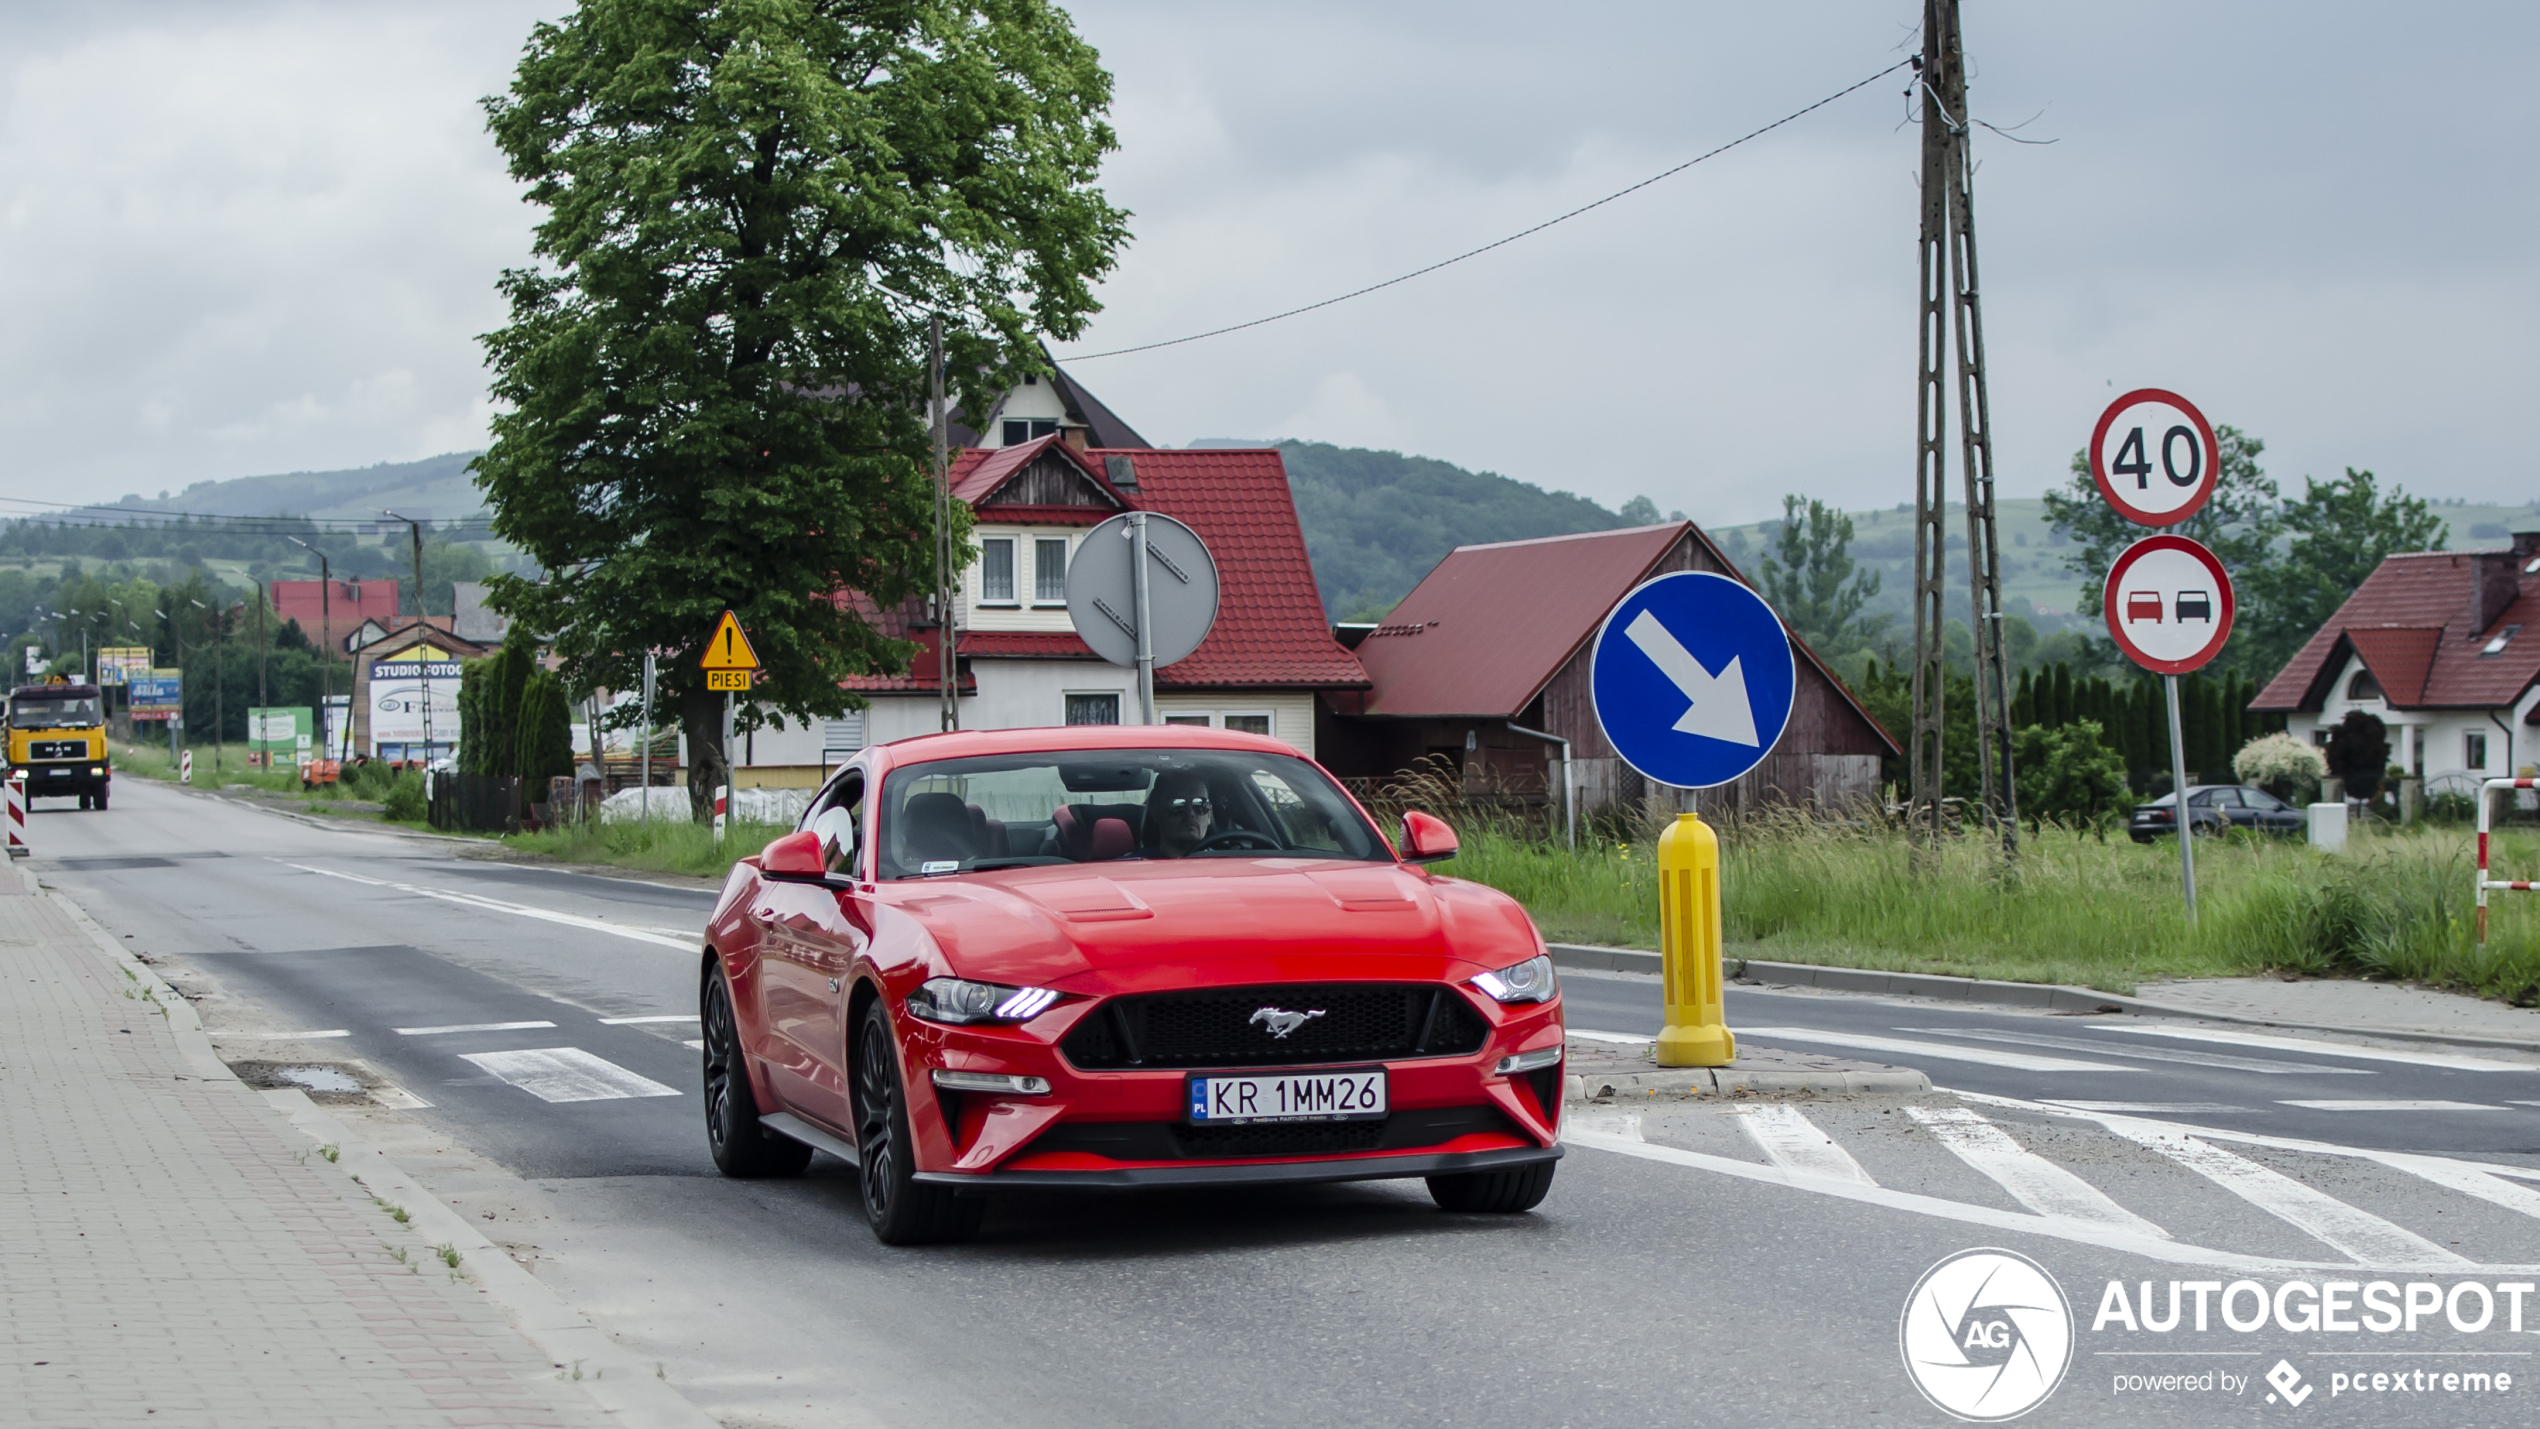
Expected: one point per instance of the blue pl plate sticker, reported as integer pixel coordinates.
(1693, 679)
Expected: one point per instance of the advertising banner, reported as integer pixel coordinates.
(157, 694)
(397, 692)
(281, 737)
(117, 664)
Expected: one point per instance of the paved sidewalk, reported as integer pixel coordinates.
(173, 1253)
(2345, 1002)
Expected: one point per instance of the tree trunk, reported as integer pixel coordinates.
(701, 719)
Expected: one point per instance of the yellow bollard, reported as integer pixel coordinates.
(1697, 1033)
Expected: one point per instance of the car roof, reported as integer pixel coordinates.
(1058, 739)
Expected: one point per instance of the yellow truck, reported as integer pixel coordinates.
(57, 734)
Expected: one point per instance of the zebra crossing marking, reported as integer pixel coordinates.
(2390, 1106)
(567, 1074)
(2032, 1180)
(1790, 1140)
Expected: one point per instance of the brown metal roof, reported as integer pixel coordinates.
(2411, 621)
(1483, 631)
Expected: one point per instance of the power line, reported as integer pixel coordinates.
(167, 518)
(1503, 242)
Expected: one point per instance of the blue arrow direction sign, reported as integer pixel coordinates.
(1693, 679)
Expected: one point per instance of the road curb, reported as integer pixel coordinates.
(623, 1387)
(2052, 997)
(1583, 1088)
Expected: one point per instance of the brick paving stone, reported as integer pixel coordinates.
(172, 1254)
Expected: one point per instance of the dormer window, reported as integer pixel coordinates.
(2503, 638)
(1019, 430)
(2363, 686)
(996, 570)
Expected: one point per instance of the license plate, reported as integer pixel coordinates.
(1354, 1095)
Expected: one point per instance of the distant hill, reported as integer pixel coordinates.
(436, 487)
(1376, 522)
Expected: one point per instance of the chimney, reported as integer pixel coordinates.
(1072, 433)
(2495, 579)
(2526, 546)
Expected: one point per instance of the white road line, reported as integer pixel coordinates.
(1625, 1039)
(633, 1021)
(2147, 1108)
(2359, 1234)
(2032, 1180)
(685, 943)
(695, 1044)
(1790, 1140)
(2317, 1048)
(283, 1036)
(2522, 1103)
(2148, 1054)
(2256, 1138)
(568, 1074)
(2020, 1061)
(469, 1027)
(389, 1094)
(2392, 1106)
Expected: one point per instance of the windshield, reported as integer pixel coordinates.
(1012, 811)
(29, 712)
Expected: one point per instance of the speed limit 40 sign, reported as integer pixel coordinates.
(2154, 457)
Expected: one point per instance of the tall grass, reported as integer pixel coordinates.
(656, 846)
(2074, 907)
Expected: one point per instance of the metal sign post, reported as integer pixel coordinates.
(2178, 789)
(1142, 592)
(645, 799)
(1146, 617)
(2170, 606)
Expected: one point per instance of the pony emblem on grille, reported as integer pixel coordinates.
(1281, 1022)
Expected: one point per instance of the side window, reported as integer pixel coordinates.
(838, 817)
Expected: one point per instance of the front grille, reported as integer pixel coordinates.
(57, 749)
(1178, 1141)
(1359, 1022)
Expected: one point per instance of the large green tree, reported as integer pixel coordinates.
(2240, 524)
(1811, 578)
(713, 384)
(2342, 528)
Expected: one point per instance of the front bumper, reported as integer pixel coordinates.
(1127, 1126)
(1274, 1173)
(69, 776)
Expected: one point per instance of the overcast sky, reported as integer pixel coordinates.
(246, 237)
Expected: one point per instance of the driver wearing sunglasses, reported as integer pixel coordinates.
(1178, 810)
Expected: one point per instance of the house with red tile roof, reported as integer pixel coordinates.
(1486, 666)
(330, 616)
(1268, 666)
(2443, 647)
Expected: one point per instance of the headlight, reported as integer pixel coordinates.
(960, 1001)
(1529, 981)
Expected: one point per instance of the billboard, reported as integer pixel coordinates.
(281, 737)
(117, 664)
(157, 694)
(398, 689)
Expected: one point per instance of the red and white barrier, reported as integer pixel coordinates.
(185, 767)
(2486, 791)
(18, 847)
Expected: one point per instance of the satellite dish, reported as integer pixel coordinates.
(1181, 589)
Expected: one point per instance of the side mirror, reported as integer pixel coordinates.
(1426, 838)
(794, 858)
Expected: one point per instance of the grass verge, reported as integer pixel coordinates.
(660, 846)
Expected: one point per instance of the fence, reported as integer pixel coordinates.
(475, 803)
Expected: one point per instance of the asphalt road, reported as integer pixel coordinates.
(1694, 1263)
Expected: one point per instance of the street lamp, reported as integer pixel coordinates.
(220, 682)
(423, 635)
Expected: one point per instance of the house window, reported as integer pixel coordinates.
(1019, 430)
(1249, 723)
(1049, 571)
(1093, 709)
(2363, 686)
(2474, 750)
(1196, 721)
(996, 570)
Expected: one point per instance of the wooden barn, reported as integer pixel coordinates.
(1486, 665)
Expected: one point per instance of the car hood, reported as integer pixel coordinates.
(1133, 925)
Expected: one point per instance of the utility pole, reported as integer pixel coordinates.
(946, 675)
(424, 638)
(326, 660)
(1950, 301)
(220, 676)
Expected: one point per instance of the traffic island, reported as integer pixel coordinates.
(1603, 1072)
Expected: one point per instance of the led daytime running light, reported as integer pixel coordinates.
(1004, 1082)
(1533, 1061)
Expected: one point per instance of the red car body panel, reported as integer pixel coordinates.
(1095, 931)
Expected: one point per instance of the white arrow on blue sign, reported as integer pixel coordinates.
(1693, 679)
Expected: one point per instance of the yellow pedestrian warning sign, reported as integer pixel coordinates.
(728, 650)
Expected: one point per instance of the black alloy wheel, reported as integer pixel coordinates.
(1520, 1188)
(902, 1209)
(742, 1148)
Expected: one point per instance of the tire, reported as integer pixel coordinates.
(101, 801)
(743, 1149)
(84, 800)
(1520, 1188)
(901, 1209)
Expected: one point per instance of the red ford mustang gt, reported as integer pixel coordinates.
(1114, 957)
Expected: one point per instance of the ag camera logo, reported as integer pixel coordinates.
(1987, 1335)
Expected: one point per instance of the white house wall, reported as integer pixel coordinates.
(1023, 613)
(2434, 743)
